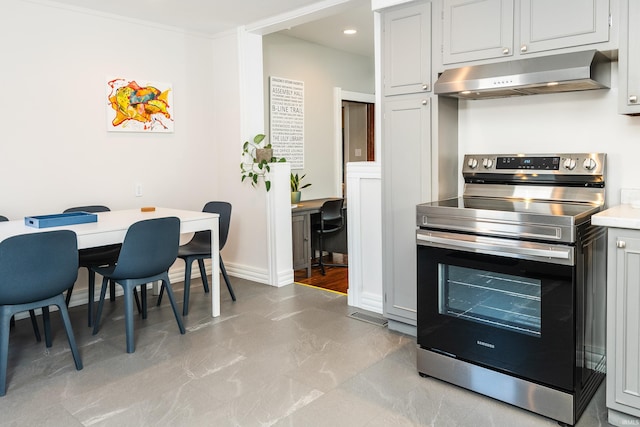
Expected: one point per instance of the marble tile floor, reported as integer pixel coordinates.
(285, 356)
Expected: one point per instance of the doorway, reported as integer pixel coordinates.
(354, 129)
(357, 135)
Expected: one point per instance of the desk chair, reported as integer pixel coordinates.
(32, 313)
(35, 270)
(150, 247)
(95, 257)
(331, 221)
(199, 248)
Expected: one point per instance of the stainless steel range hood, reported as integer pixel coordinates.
(548, 74)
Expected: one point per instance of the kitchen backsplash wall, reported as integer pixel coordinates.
(557, 123)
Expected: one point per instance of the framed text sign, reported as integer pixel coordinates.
(286, 102)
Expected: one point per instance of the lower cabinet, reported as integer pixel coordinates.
(300, 240)
(623, 327)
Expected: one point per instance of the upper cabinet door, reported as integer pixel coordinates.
(629, 58)
(551, 24)
(476, 29)
(407, 50)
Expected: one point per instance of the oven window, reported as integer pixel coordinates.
(495, 299)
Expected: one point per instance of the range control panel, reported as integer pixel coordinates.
(557, 164)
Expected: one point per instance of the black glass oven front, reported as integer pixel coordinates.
(511, 315)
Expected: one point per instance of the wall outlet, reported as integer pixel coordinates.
(138, 190)
(358, 152)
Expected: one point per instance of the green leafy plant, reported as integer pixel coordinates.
(256, 157)
(296, 181)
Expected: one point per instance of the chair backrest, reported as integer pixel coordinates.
(150, 247)
(224, 210)
(90, 208)
(331, 212)
(37, 266)
(3, 218)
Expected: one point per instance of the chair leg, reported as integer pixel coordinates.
(226, 279)
(143, 296)
(91, 298)
(203, 275)
(187, 286)
(72, 341)
(321, 249)
(173, 304)
(103, 293)
(34, 324)
(5, 326)
(128, 317)
(68, 296)
(160, 296)
(112, 290)
(47, 326)
(135, 295)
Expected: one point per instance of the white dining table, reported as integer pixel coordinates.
(112, 226)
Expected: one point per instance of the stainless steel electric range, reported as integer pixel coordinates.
(512, 282)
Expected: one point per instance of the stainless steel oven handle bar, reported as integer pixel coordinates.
(549, 253)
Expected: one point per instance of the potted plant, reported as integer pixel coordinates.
(256, 156)
(295, 187)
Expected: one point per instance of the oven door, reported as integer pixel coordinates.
(498, 303)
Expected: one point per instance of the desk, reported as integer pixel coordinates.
(301, 231)
(112, 226)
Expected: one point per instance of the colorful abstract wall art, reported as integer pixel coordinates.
(139, 106)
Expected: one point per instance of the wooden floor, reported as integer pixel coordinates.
(336, 278)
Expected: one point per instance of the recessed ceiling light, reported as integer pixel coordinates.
(350, 31)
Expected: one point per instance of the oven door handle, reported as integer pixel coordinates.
(501, 247)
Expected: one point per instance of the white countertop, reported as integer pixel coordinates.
(621, 216)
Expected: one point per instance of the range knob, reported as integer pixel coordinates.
(487, 163)
(472, 163)
(589, 164)
(569, 164)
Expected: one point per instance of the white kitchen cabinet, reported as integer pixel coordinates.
(551, 24)
(487, 29)
(623, 326)
(406, 182)
(419, 151)
(407, 49)
(629, 58)
(476, 29)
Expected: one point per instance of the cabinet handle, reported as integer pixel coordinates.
(523, 48)
(505, 51)
(621, 244)
(425, 102)
(425, 87)
(633, 99)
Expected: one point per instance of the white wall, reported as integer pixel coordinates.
(321, 69)
(569, 122)
(245, 254)
(55, 151)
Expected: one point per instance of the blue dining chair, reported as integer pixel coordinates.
(35, 270)
(32, 313)
(150, 247)
(199, 249)
(95, 257)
